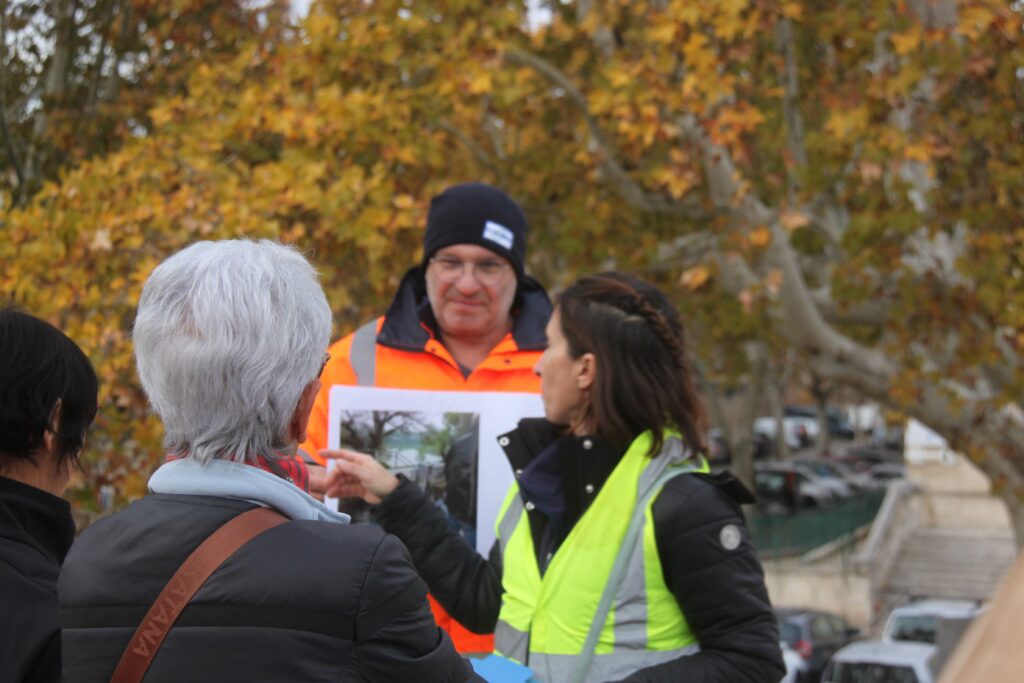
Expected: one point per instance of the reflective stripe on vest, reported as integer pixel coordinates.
(362, 355)
(602, 609)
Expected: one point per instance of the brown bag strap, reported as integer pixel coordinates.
(191, 575)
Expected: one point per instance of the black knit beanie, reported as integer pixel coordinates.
(478, 214)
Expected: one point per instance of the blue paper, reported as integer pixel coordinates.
(497, 669)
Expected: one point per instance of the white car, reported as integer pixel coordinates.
(837, 486)
(799, 432)
(878, 662)
(795, 664)
(919, 621)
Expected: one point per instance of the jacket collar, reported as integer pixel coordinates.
(228, 479)
(408, 328)
(41, 518)
(541, 454)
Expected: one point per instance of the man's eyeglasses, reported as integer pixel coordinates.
(323, 365)
(487, 273)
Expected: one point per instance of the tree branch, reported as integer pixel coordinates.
(5, 130)
(628, 189)
(469, 143)
(791, 111)
(56, 84)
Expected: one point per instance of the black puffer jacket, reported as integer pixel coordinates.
(36, 530)
(305, 601)
(721, 591)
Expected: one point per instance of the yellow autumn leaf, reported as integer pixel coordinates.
(746, 299)
(773, 282)
(619, 77)
(792, 10)
(404, 202)
(848, 123)
(481, 83)
(792, 219)
(907, 42)
(760, 237)
(695, 278)
(975, 20)
(918, 152)
(663, 33)
(101, 241)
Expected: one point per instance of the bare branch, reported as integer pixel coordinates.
(603, 38)
(629, 189)
(831, 221)
(934, 14)
(798, 318)
(469, 143)
(791, 110)
(5, 130)
(863, 313)
(56, 84)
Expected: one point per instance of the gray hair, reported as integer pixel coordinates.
(227, 336)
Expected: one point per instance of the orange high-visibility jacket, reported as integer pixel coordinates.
(401, 351)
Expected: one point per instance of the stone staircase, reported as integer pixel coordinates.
(950, 563)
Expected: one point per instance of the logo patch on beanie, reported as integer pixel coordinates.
(499, 234)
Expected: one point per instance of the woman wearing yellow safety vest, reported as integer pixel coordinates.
(618, 556)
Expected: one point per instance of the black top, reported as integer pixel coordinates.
(718, 584)
(561, 479)
(304, 601)
(36, 530)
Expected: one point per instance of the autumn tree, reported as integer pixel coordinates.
(78, 77)
(836, 183)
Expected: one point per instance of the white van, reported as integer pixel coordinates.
(919, 621)
(872, 661)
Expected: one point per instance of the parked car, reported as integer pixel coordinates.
(823, 467)
(883, 473)
(838, 426)
(810, 489)
(815, 636)
(860, 458)
(919, 621)
(876, 662)
(796, 667)
(718, 447)
(778, 492)
(836, 484)
(798, 431)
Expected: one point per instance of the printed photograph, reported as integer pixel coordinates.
(437, 451)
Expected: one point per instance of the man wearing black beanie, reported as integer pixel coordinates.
(467, 318)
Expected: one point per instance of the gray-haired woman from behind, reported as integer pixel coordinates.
(229, 343)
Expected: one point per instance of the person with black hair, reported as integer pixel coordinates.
(48, 392)
(619, 557)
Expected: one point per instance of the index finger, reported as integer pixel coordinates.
(342, 454)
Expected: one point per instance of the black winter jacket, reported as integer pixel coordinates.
(720, 591)
(36, 530)
(305, 601)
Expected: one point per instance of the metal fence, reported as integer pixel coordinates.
(782, 535)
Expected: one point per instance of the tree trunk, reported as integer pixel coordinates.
(53, 93)
(821, 393)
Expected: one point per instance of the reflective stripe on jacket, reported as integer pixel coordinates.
(398, 351)
(608, 565)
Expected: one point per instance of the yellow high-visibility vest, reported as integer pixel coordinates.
(608, 565)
